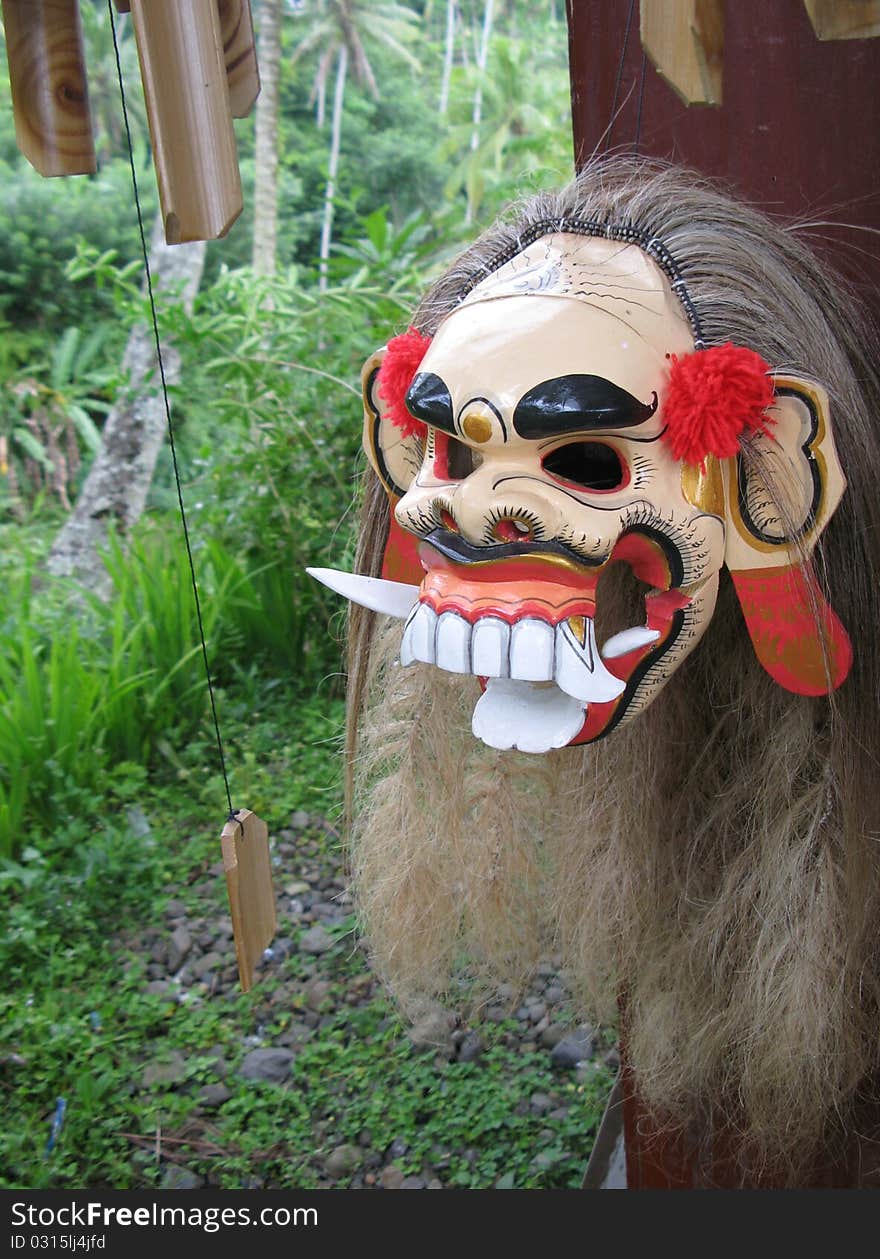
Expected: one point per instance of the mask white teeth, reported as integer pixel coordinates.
(453, 651)
(419, 637)
(629, 640)
(531, 651)
(579, 668)
(490, 648)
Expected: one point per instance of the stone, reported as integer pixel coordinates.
(573, 1049)
(268, 1065)
(470, 1047)
(181, 1178)
(342, 1161)
(299, 820)
(434, 1183)
(214, 1094)
(316, 941)
(204, 965)
(179, 946)
(612, 1058)
(554, 993)
(175, 909)
(546, 1160)
(552, 1035)
(414, 1182)
(540, 1104)
(397, 1148)
(317, 992)
(296, 888)
(161, 988)
(496, 1014)
(537, 1010)
(295, 1034)
(171, 1072)
(391, 1177)
(433, 1031)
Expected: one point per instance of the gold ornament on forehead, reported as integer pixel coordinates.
(477, 427)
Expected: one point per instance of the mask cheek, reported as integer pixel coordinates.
(679, 621)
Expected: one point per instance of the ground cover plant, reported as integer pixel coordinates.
(310, 1080)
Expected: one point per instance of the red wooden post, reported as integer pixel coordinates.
(797, 135)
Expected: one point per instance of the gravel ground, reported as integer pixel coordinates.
(190, 957)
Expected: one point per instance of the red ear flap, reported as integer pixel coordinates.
(796, 634)
(401, 559)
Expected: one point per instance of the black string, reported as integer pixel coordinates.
(192, 571)
(629, 18)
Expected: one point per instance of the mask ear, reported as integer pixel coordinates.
(394, 457)
(780, 492)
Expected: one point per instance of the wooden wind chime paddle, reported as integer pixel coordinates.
(245, 837)
(199, 70)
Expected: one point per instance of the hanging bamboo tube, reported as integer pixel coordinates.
(685, 41)
(184, 76)
(240, 55)
(50, 103)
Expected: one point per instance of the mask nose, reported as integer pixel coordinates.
(501, 501)
(513, 529)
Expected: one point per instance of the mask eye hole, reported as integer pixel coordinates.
(591, 465)
(453, 460)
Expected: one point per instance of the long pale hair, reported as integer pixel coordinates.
(717, 859)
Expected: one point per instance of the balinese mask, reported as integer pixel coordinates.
(564, 418)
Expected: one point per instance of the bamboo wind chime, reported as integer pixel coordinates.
(199, 70)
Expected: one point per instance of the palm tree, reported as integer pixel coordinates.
(342, 31)
(448, 51)
(482, 58)
(266, 141)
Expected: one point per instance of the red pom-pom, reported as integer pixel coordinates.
(715, 397)
(399, 366)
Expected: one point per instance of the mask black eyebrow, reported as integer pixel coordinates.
(428, 399)
(576, 404)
